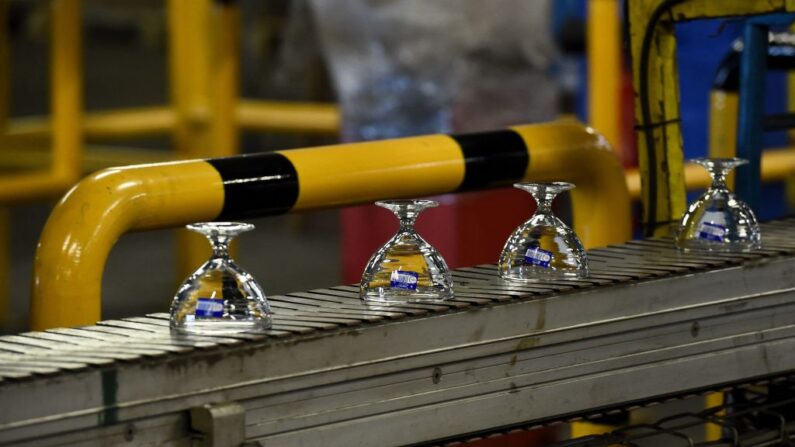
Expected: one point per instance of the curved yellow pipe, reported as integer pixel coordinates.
(571, 152)
(87, 222)
(84, 226)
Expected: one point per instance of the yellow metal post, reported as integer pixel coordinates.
(604, 96)
(67, 90)
(5, 99)
(5, 267)
(789, 184)
(713, 431)
(224, 80)
(5, 67)
(723, 115)
(66, 103)
(723, 107)
(662, 175)
(604, 69)
(188, 67)
(225, 77)
(604, 103)
(191, 40)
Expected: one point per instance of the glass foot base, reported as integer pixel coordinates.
(220, 327)
(537, 275)
(729, 247)
(387, 297)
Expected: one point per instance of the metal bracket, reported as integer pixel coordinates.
(218, 425)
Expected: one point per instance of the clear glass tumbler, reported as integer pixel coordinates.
(718, 220)
(543, 248)
(220, 297)
(406, 268)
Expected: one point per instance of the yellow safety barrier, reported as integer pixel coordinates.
(87, 222)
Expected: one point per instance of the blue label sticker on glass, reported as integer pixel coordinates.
(538, 256)
(711, 232)
(404, 280)
(209, 308)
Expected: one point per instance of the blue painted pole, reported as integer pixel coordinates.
(753, 67)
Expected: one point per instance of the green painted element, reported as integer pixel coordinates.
(110, 387)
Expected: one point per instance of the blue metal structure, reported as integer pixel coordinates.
(753, 67)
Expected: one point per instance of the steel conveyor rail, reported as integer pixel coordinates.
(650, 322)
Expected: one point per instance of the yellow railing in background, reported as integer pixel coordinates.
(65, 166)
(204, 116)
(777, 165)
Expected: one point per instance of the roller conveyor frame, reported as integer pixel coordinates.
(651, 322)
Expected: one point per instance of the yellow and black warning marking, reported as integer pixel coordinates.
(256, 185)
(84, 226)
(278, 182)
(492, 158)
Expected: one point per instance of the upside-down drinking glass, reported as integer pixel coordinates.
(220, 297)
(543, 248)
(718, 220)
(406, 268)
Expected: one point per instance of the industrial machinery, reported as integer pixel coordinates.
(651, 323)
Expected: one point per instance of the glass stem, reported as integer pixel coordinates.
(220, 245)
(407, 217)
(718, 174)
(407, 222)
(544, 202)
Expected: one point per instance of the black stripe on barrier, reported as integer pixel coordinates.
(257, 185)
(492, 158)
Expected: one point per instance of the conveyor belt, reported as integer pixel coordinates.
(649, 322)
